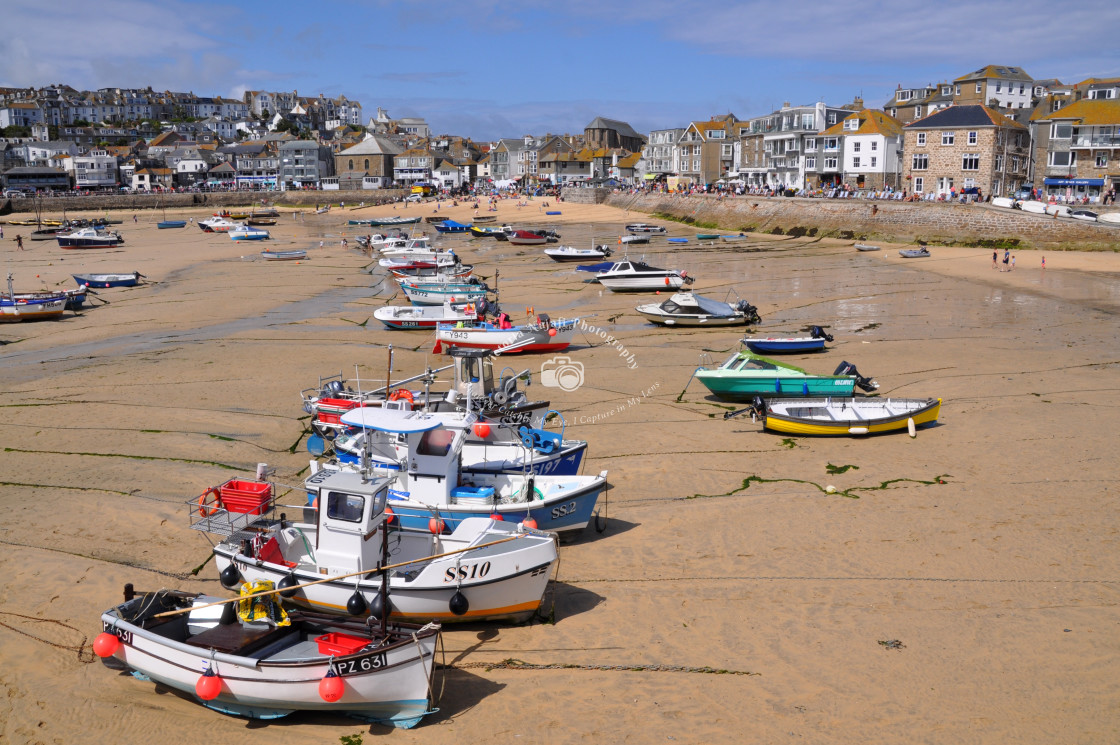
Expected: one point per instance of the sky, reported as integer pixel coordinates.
(486, 69)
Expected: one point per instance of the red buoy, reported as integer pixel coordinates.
(496, 516)
(666, 281)
(331, 687)
(482, 429)
(209, 685)
(552, 332)
(106, 644)
(530, 522)
(390, 516)
(435, 525)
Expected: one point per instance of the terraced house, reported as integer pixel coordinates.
(965, 147)
(705, 151)
(871, 149)
(1082, 151)
(997, 86)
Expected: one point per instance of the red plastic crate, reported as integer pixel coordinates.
(330, 410)
(340, 644)
(246, 497)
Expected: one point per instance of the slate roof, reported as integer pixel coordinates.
(624, 129)
(872, 122)
(995, 71)
(964, 116)
(374, 146)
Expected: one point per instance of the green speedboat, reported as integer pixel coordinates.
(746, 375)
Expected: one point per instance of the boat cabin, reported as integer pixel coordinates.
(351, 509)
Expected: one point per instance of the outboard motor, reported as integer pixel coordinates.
(758, 409)
(482, 307)
(847, 368)
(818, 333)
(544, 321)
(749, 311)
(333, 388)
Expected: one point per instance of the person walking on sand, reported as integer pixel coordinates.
(19, 242)
(1006, 259)
(1044, 262)
(1012, 263)
(995, 259)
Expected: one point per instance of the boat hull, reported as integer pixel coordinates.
(531, 340)
(283, 255)
(107, 280)
(889, 421)
(32, 310)
(171, 224)
(654, 315)
(642, 284)
(746, 388)
(784, 346)
(418, 295)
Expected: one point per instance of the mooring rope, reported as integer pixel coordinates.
(515, 664)
(84, 655)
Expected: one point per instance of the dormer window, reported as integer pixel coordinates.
(852, 124)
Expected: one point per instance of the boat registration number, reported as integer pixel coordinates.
(123, 634)
(564, 510)
(365, 664)
(466, 571)
(459, 335)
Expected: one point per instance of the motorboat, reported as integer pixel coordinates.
(438, 290)
(636, 276)
(570, 253)
(528, 238)
(689, 309)
(217, 225)
(746, 374)
(16, 307)
(89, 238)
(814, 342)
(451, 226)
(1084, 215)
(248, 233)
(634, 238)
(248, 657)
(844, 416)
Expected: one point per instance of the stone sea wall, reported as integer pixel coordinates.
(901, 222)
(98, 203)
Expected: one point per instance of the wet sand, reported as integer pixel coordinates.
(722, 549)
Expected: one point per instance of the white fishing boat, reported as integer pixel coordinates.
(291, 255)
(426, 316)
(275, 665)
(1112, 218)
(17, 307)
(626, 240)
(434, 484)
(636, 276)
(570, 253)
(217, 225)
(476, 569)
(690, 309)
(544, 335)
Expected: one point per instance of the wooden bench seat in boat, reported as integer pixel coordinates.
(238, 638)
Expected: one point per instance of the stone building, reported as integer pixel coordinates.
(965, 147)
(1081, 157)
(871, 149)
(996, 86)
(611, 133)
(369, 164)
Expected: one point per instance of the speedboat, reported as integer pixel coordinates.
(814, 342)
(746, 374)
(527, 238)
(249, 658)
(89, 238)
(636, 276)
(690, 309)
(570, 253)
(641, 227)
(1084, 215)
(472, 568)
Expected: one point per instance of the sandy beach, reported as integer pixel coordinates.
(959, 587)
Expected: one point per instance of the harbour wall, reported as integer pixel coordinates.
(102, 202)
(900, 222)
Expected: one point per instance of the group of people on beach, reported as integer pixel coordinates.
(1007, 257)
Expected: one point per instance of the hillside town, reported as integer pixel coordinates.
(995, 131)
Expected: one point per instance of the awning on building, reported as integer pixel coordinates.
(1074, 181)
(650, 176)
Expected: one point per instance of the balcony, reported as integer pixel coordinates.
(1096, 141)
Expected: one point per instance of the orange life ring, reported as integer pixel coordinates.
(206, 510)
(400, 393)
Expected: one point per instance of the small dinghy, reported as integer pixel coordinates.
(1005, 202)
(641, 227)
(171, 224)
(866, 247)
(570, 253)
(843, 416)
(478, 569)
(248, 658)
(707, 236)
(733, 238)
(690, 309)
(108, 280)
(914, 253)
(529, 238)
(814, 342)
(635, 238)
(425, 316)
(284, 255)
(678, 240)
(1033, 206)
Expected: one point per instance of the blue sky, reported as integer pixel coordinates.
(495, 68)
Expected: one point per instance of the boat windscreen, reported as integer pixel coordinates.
(670, 307)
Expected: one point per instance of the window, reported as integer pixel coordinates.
(948, 138)
(873, 161)
(874, 146)
(1061, 131)
(973, 137)
(979, 87)
(346, 507)
(921, 139)
(998, 84)
(855, 147)
(810, 164)
(807, 121)
(919, 184)
(810, 143)
(1059, 159)
(367, 164)
(998, 163)
(855, 162)
(696, 165)
(957, 89)
(695, 149)
(350, 166)
(831, 143)
(830, 164)
(970, 162)
(903, 95)
(832, 118)
(715, 134)
(919, 162)
(727, 150)
(1101, 160)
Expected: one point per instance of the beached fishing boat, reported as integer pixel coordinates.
(420, 271)
(432, 291)
(641, 227)
(89, 238)
(625, 240)
(500, 233)
(450, 226)
(292, 255)
(690, 309)
(261, 221)
(707, 236)
(844, 416)
(108, 280)
(376, 221)
(17, 307)
(237, 659)
(473, 569)
(1005, 202)
(484, 219)
(866, 247)
(165, 224)
(527, 238)
(913, 253)
(248, 233)
(745, 375)
(733, 238)
(438, 488)
(1112, 218)
(570, 253)
(814, 342)
(425, 316)
(635, 276)
(544, 335)
(217, 225)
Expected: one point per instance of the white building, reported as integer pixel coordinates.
(95, 170)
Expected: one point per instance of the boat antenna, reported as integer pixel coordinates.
(389, 372)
